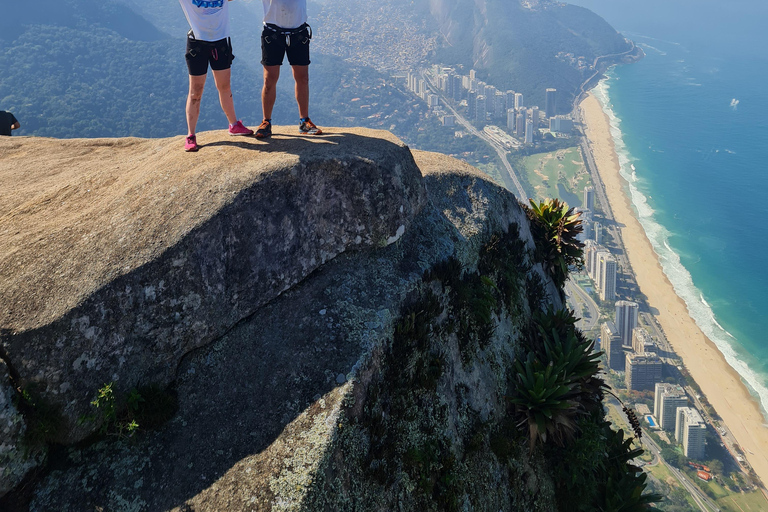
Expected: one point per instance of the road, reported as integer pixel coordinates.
(581, 300)
(519, 192)
(703, 501)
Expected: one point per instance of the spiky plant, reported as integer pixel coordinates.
(545, 400)
(556, 227)
(556, 338)
(624, 483)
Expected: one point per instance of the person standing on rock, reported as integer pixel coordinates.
(285, 32)
(8, 123)
(208, 43)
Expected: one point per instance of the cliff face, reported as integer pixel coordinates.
(336, 320)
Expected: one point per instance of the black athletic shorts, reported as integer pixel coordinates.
(200, 53)
(274, 46)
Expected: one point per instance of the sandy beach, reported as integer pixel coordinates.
(719, 382)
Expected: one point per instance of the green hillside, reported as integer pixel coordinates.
(525, 49)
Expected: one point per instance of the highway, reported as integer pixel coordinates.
(520, 192)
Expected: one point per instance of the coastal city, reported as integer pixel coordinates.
(683, 433)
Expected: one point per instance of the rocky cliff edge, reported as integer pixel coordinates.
(274, 288)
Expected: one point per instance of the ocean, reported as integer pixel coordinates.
(690, 122)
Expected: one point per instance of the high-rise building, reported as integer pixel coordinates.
(511, 116)
(590, 247)
(626, 320)
(560, 124)
(510, 99)
(610, 343)
(480, 108)
(606, 269)
(690, 431)
(490, 100)
(448, 120)
(589, 198)
(528, 131)
(550, 106)
(458, 89)
(500, 105)
(597, 232)
(533, 112)
(594, 269)
(667, 398)
(433, 100)
(520, 125)
(472, 104)
(643, 371)
(586, 224)
(519, 101)
(472, 74)
(421, 89)
(642, 341)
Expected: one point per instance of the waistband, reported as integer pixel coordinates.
(286, 31)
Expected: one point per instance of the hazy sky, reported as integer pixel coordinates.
(711, 24)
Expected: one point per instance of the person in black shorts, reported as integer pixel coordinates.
(208, 43)
(8, 123)
(285, 33)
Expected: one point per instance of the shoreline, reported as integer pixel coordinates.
(719, 382)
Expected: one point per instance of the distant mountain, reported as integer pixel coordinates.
(18, 17)
(525, 46)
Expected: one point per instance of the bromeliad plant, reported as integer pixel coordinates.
(555, 227)
(545, 398)
(557, 381)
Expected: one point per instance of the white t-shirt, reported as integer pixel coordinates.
(285, 13)
(209, 19)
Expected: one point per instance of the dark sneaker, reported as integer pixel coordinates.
(191, 143)
(264, 130)
(307, 127)
(239, 129)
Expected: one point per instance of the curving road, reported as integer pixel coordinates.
(703, 501)
(520, 192)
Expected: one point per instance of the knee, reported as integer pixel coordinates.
(195, 97)
(269, 85)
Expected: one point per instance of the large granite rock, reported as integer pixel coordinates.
(121, 256)
(306, 317)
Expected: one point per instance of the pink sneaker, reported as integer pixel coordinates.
(191, 143)
(239, 129)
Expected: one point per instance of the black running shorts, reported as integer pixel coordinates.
(200, 53)
(274, 46)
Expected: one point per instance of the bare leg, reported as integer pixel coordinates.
(223, 85)
(196, 86)
(269, 92)
(301, 76)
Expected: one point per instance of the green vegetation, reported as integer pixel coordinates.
(561, 174)
(753, 501)
(555, 227)
(145, 408)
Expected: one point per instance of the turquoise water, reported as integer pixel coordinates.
(692, 117)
